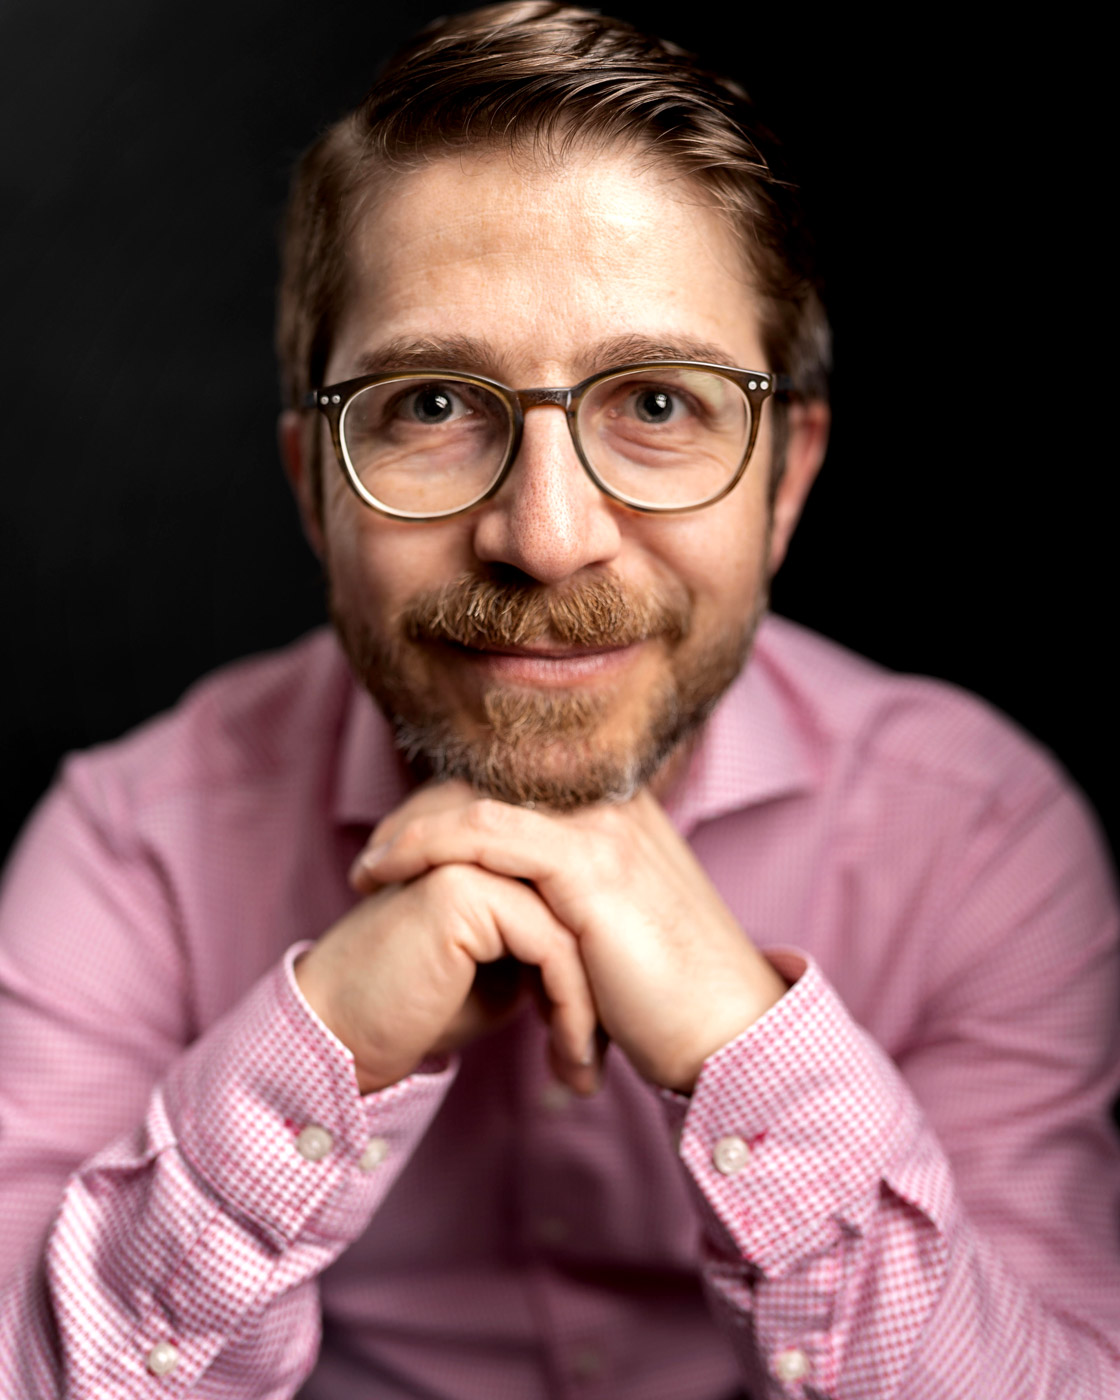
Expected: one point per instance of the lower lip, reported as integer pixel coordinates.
(519, 669)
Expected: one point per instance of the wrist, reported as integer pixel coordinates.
(764, 990)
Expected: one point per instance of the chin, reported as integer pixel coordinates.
(561, 751)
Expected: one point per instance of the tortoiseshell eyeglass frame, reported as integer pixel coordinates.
(332, 400)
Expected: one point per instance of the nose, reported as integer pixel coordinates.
(549, 520)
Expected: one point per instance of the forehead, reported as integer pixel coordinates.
(541, 264)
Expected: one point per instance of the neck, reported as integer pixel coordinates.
(672, 772)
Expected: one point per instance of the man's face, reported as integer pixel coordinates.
(626, 627)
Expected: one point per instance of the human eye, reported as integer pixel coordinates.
(689, 426)
(652, 405)
(400, 432)
(418, 415)
(658, 411)
(436, 405)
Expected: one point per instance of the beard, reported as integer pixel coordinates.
(552, 748)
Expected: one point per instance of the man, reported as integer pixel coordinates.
(430, 1049)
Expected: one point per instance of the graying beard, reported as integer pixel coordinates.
(496, 765)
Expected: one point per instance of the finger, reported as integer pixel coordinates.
(507, 840)
(564, 856)
(530, 931)
(448, 795)
(499, 992)
(442, 796)
(584, 1077)
(584, 1080)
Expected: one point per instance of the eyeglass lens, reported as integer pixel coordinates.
(659, 437)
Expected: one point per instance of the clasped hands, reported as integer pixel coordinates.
(628, 937)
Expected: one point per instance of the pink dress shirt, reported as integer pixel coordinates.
(901, 1182)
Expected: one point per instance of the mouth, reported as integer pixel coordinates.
(547, 663)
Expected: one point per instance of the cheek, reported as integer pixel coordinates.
(380, 564)
(719, 555)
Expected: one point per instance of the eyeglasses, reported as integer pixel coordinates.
(670, 436)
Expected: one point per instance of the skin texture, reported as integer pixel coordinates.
(541, 271)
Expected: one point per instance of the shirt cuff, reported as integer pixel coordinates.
(265, 1109)
(792, 1125)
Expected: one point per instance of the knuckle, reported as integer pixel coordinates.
(410, 834)
(488, 815)
(607, 852)
(447, 883)
(461, 894)
(615, 823)
(460, 907)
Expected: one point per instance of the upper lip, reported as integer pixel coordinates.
(548, 651)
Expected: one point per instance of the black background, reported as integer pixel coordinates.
(962, 527)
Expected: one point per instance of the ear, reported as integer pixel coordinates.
(807, 441)
(293, 432)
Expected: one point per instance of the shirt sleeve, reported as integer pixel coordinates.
(183, 1256)
(837, 1253)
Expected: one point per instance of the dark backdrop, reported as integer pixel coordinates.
(960, 528)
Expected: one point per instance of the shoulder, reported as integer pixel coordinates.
(861, 718)
(256, 723)
(947, 844)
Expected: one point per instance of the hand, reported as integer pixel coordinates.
(672, 975)
(406, 972)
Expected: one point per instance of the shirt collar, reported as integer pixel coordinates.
(372, 777)
(752, 750)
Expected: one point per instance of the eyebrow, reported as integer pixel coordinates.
(633, 349)
(458, 352)
(470, 355)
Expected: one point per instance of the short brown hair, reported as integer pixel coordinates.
(544, 76)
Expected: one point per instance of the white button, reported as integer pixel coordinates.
(791, 1364)
(555, 1097)
(552, 1229)
(163, 1358)
(586, 1363)
(730, 1155)
(314, 1143)
(377, 1149)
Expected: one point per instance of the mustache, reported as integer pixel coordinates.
(595, 612)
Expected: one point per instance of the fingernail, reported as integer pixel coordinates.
(367, 861)
(588, 1056)
(591, 1083)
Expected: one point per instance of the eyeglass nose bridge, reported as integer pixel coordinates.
(524, 399)
(543, 398)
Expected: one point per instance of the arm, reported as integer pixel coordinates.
(165, 1207)
(842, 1237)
(850, 1252)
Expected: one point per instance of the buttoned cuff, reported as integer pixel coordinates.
(265, 1110)
(791, 1127)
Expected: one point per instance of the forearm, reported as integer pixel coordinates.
(839, 1257)
(904, 1310)
(197, 1239)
